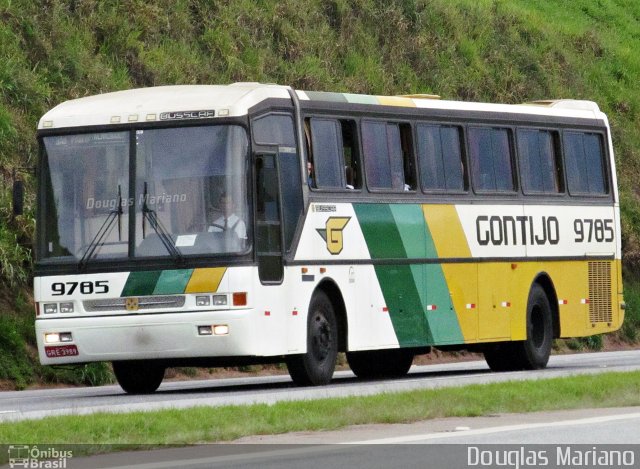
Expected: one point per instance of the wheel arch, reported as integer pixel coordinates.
(331, 289)
(544, 280)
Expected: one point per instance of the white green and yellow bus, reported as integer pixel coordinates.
(250, 223)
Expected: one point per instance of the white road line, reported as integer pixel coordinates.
(485, 431)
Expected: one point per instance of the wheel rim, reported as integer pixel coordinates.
(321, 340)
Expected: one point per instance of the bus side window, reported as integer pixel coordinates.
(490, 155)
(408, 161)
(388, 154)
(440, 156)
(540, 167)
(350, 154)
(333, 161)
(278, 129)
(326, 142)
(584, 158)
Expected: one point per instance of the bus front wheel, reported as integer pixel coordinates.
(138, 377)
(316, 366)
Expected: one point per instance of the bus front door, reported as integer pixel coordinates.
(268, 226)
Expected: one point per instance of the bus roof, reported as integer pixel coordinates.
(197, 101)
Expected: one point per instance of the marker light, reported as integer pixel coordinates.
(66, 337)
(221, 329)
(66, 307)
(240, 298)
(219, 300)
(50, 308)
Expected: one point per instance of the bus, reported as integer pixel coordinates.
(254, 223)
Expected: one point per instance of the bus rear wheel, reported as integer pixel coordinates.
(392, 363)
(316, 367)
(138, 377)
(532, 353)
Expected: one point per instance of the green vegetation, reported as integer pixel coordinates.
(212, 424)
(486, 50)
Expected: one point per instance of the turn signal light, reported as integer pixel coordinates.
(240, 298)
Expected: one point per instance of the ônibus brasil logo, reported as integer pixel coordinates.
(38, 458)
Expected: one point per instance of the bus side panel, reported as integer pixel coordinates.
(332, 233)
(417, 294)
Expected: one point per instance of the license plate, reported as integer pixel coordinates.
(57, 351)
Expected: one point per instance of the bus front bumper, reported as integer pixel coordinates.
(143, 337)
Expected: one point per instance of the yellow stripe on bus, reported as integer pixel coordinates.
(205, 280)
(446, 231)
(396, 101)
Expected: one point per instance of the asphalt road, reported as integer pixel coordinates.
(523, 440)
(20, 405)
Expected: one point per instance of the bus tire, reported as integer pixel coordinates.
(533, 353)
(500, 357)
(316, 366)
(138, 377)
(392, 363)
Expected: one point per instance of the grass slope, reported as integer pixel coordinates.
(486, 50)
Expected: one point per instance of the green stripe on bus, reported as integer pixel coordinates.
(405, 309)
(380, 231)
(398, 283)
(141, 283)
(172, 282)
(361, 98)
(409, 221)
(443, 321)
(417, 295)
(326, 96)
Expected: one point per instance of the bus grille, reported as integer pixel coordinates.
(144, 303)
(600, 292)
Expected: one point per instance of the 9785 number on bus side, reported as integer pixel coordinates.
(588, 230)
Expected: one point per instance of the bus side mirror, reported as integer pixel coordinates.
(18, 198)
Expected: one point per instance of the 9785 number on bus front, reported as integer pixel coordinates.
(85, 288)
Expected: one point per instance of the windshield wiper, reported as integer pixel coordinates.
(163, 234)
(105, 229)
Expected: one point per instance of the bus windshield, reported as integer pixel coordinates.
(187, 194)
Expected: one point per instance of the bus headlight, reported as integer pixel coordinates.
(219, 300)
(66, 307)
(51, 338)
(50, 308)
(202, 300)
(55, 337)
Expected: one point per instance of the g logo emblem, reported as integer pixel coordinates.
(332, 233)
(131, 304)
